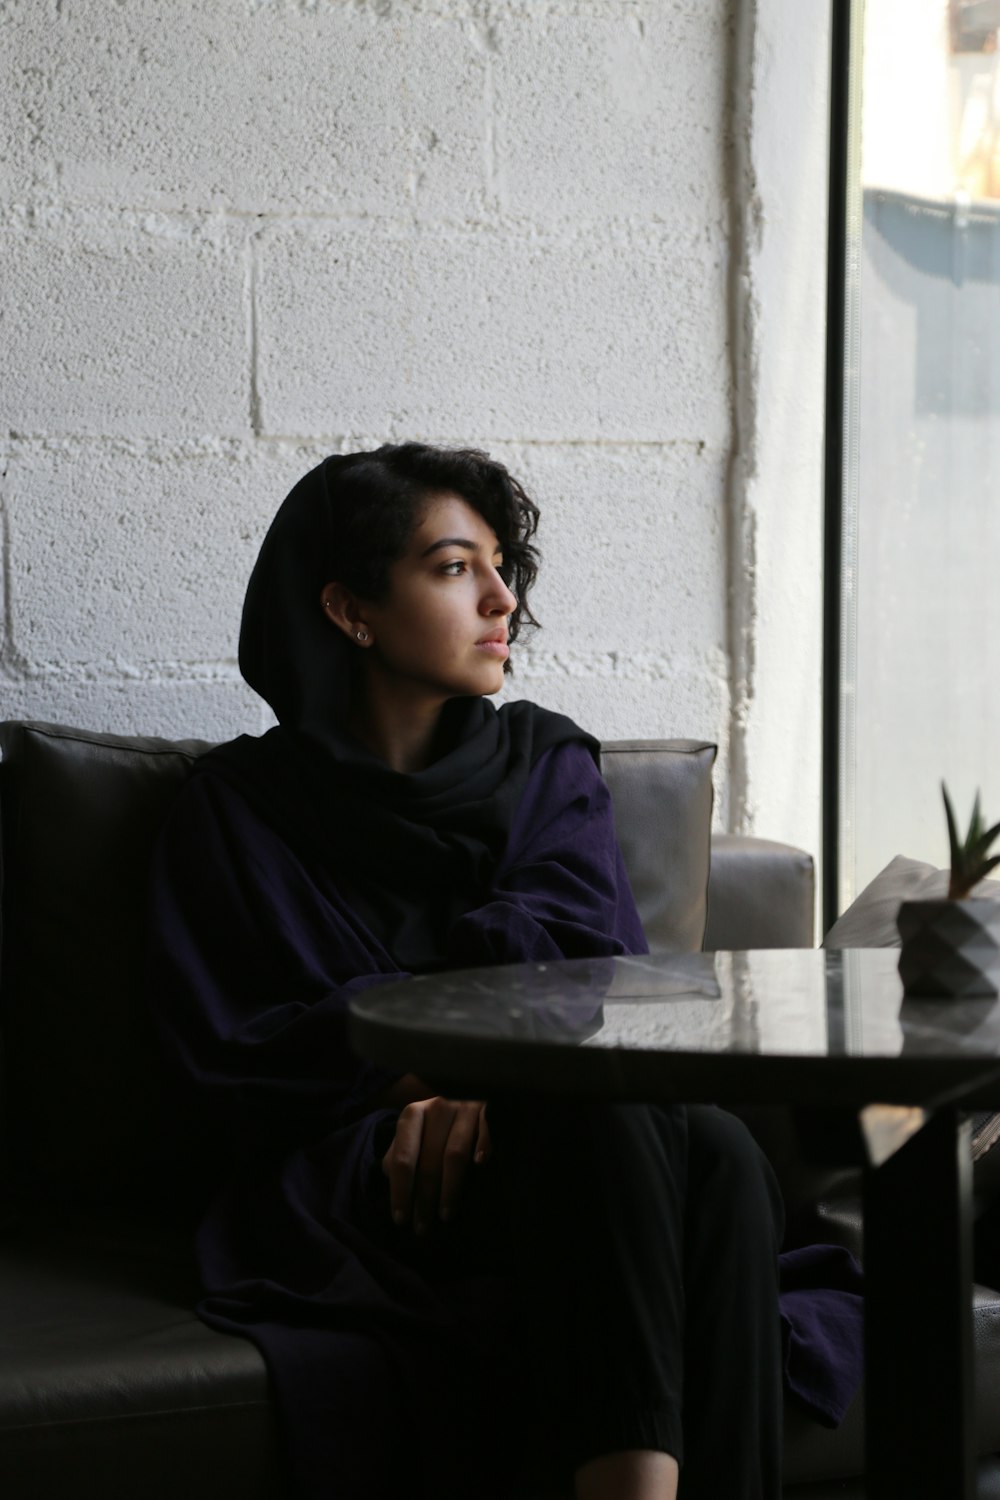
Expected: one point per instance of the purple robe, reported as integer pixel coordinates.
(389, 1358)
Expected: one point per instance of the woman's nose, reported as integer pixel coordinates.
(499, 599)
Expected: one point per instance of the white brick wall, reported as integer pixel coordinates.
(322, 108)
(135, 554)
(620, 119)
(489, 333)
(123, 324)
(238, 235)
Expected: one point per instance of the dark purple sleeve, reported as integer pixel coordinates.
(561, 891)
(251, 967)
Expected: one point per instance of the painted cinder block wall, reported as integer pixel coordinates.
(241, 234)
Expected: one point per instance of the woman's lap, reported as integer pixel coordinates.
(609, 1271)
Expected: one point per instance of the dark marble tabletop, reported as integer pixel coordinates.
(799, 1026)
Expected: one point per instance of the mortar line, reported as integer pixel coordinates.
(552, 662)
(6, 643)
(189, 447)
(490, 158)
(10, 657)
(741, 574)
(524, 10)
(96, 672)
(250, 291)
(654, 235)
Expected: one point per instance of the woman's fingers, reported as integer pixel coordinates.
(484, 1143)
(429, 1157)
(456, 1157)
(427, 1181)
(401, 1159)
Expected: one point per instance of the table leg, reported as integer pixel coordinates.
(918, 1317)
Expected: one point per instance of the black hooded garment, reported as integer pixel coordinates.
(414, 851)
(295, 870)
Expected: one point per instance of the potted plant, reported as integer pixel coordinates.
(951, 947)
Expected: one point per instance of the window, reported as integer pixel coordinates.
(916, 661)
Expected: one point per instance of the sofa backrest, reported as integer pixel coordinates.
(80, 812)
(662, 791)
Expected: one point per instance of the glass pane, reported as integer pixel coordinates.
(922, 524)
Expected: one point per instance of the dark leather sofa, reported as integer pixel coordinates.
(109, 1386)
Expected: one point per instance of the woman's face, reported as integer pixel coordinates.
(441, 632)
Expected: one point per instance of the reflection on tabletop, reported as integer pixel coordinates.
(781, 1002)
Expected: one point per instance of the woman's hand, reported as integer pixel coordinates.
(426, 1164)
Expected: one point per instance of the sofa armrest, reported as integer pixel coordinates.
(760, 894)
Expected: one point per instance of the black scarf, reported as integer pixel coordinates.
(410, 851)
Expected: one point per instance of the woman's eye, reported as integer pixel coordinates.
(454, 568)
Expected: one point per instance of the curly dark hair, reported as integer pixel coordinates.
(379, 499)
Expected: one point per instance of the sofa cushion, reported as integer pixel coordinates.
(110, 1386)
(870, 920)
(662, 792)
(80, 814)
(761, 894)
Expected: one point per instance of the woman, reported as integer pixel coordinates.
(443, 1290)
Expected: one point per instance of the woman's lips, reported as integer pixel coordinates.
(499, 649)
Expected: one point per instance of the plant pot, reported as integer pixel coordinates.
(949, 948)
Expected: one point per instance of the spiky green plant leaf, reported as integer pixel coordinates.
(969, 862)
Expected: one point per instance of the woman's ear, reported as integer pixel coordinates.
(344, 609)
